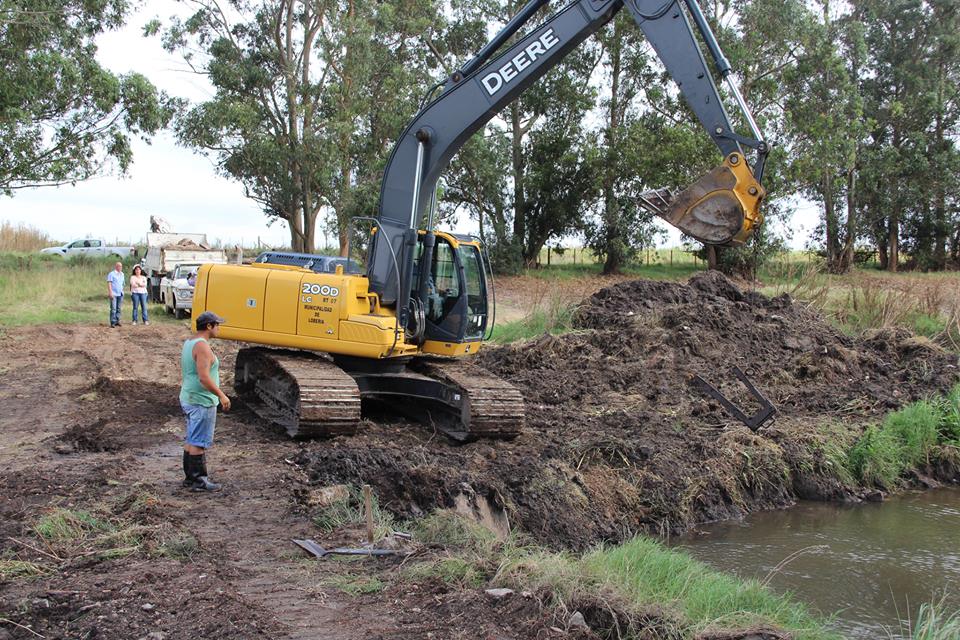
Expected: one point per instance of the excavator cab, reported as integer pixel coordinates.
(451, 316)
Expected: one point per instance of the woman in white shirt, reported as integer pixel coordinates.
(138, 291)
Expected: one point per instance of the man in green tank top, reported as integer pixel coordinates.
(200, 394)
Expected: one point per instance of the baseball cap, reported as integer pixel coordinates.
(208, 317)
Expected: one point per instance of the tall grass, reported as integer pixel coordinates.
(641, 582)
(933, 624)
(860, 301)
(908, 439)
(642, 575)
(23, 238)
(37, 289)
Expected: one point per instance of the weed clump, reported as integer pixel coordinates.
(910, 439)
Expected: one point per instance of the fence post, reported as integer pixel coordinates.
(671, 256)
(548, 256)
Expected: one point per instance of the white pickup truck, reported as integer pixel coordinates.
(90, 247)
(176, 290)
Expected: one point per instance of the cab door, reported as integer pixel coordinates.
(456, 304)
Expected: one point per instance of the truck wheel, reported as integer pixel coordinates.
(179, 314)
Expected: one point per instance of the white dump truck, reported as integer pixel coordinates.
(167, 250)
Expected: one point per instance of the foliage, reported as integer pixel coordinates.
(307, 98)
(63, 117)
(529, 175)
(909, 439)
(933, 623)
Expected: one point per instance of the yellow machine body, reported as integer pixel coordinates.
(297, 308)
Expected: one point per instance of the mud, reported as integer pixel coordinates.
(617, 441)
(91, 424)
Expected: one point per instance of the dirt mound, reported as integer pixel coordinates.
(617, 441)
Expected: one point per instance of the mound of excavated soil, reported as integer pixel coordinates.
(618, 441)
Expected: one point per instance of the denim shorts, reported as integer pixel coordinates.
(200, 424)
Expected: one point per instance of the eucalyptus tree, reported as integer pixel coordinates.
(65, 118)
(309, 96)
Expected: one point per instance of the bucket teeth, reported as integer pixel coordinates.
(721, 208)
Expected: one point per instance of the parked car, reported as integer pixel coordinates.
(90, 247)
(176, 290)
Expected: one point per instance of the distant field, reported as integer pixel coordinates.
(37, 289)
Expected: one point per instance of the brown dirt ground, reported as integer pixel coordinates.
(616, 442)
(90, 422)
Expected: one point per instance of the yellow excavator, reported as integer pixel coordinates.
(332, 334)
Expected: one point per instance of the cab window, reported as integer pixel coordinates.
(476, 292)
(443, 290)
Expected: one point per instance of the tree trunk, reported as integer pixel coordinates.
(611, 211)
(847, 261)
(831, 224)
(893, 242)
(713, 257)
(296, 232)
(940, 229)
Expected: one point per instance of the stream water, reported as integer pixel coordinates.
(868, 566)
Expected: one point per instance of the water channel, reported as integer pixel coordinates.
(869, 566)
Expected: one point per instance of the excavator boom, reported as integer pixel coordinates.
(721, 208)
(334, 338)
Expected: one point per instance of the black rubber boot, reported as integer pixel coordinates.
(187, 473)
(200, 480)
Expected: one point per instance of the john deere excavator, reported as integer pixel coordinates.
(397, 333)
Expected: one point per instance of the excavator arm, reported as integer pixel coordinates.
(720, 208)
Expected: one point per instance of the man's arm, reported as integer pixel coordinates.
(109, 287)
(203, 356)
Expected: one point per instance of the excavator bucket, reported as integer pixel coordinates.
(722, 207)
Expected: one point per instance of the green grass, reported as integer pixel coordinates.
(655, 271)
(909, 438)
(537, 323)
(14, 569)
(356, 585)
(933, 623)
(642, 575)
(69, 532)
(43, 289)
(636, 578)
(349, 511)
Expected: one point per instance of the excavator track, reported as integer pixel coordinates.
(492, 408)
(310, 396)
(307, 395)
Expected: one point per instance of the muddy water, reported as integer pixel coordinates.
(869, 565)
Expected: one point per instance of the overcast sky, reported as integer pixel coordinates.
(172, 182)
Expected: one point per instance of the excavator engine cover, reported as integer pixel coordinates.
(721, 208)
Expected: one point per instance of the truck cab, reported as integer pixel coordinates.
(176, 289)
